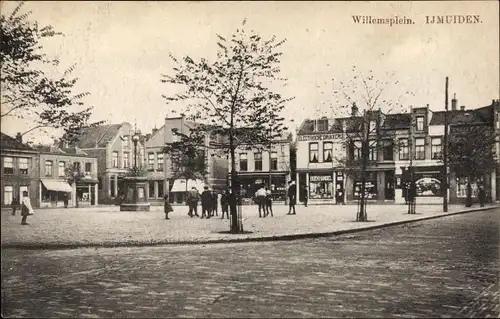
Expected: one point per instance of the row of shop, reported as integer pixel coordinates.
(388, 186)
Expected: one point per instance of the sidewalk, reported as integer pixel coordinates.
(108, 227)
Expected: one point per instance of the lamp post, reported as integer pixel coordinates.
(135, 140)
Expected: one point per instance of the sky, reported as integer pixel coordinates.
(121, 49)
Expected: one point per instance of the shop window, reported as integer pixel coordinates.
(258, 161)
(243, 162)
(320, 186)
(61, 169)
(23, 165)
(327, 151)
(8, 165)
(419, 148)
(115, 159)
(313, 152)
(8, 194)
(388, 151)
(436, 148)
(48, 168)
(274, 161)
(370, 186)
(403, 149)
(159, 161)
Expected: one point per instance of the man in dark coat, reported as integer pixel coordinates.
(206, 203)
(14, 204)
(224, 203)
(306, 196)
(481, 195)
(214, 203)
(292, 197)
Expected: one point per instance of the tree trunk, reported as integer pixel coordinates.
(362, 212)
(234, 193)
(468, 199)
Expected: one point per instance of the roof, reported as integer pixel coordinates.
(100, 135)
(483, 115)
(51, 149)
(9, 143)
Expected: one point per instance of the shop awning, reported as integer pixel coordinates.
(57, 186)
(180, 185)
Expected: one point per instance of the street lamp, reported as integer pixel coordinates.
(135, 140)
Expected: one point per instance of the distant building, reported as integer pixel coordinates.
(19, 170)
(54, 187)
(113, 147)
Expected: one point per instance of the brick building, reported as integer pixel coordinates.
(19, 170)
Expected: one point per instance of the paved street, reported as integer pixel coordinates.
(107, 225)
(445, 267)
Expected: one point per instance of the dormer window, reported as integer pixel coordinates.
(420, 123)
(322, 125)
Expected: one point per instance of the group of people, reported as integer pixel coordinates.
(209, 203)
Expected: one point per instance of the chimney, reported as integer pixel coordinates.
(19, 137)
(462, 108)
(148, 136)
(154, 131)
(354, 109)
(454, 102)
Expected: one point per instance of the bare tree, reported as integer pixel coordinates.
(367, 123)
(232, 96)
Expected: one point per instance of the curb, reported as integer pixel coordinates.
(49, 246)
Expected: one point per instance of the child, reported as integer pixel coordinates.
(26, 208)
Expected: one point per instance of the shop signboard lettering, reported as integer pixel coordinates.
(370, 189)
(320, 137)
(322, 178)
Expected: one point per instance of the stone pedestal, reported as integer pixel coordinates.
(135, 194)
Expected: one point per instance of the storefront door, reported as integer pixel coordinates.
(389, 185)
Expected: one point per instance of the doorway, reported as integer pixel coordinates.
(389, 185)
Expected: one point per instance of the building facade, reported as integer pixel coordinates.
(53, 172)
(19, 171)
(116, 153)
(269, 166)
(326, 147)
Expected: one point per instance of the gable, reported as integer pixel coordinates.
(157, 139)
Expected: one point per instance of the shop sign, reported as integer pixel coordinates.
(322, 178)
(320, 137)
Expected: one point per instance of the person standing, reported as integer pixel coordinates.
(261, 201)
(292, 197)
(206, 203)
(26, 208)
(269, 202)
(14, 205)
(224, 203)
(214, 204)
(166, 206)
(192, 201)
(481, 195)
(306, 196)
(65, 199)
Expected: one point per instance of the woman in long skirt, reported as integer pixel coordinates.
(26, 208)
(167, 207)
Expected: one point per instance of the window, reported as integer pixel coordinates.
(420, 123)
(114, 160)
(48, 168)
(327, 152)
(126, 142)
(372, 150)
(112, 186)
(436, 148)
(76, 166)
(61, 168)
(8, 194)
(258, 161)
(159, 159)
(403, 149)
(151, 161)
(313, 152)
(160, 189)
(373, 126)
(322, 125)
(88, 168)
(243, 162)
(357, 150)
(320, 186)
(126, 160)
(419, 148)
(274, 161)
(388, 151)
(23, 165)
(8, 165)
(99, 183)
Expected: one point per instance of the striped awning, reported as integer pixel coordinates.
(57, 185)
